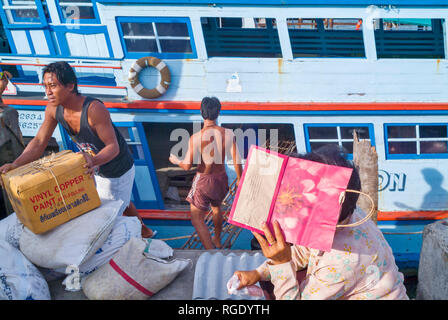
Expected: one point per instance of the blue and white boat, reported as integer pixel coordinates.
(315, 70)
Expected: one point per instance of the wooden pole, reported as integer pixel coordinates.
(365, 159)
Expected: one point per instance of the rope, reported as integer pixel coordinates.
(416, 232)
(39, 165)
(372, 210)
(177, 238)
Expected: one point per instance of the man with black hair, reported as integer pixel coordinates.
(210, 185)
(89, 125)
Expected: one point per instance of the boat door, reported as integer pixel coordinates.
(146, 191)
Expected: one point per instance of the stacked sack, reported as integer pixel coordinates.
(107, 243)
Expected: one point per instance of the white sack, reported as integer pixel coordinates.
(123, 230)
(11, 229)
(19, 278)
(72, 243)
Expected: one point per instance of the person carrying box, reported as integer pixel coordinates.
(89, 125)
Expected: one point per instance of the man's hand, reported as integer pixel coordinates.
(274, 248)
(247, 278)
(173, 159)
(4, 81)
(5, 168)
(91, 167)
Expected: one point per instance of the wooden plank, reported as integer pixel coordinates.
(365, 159)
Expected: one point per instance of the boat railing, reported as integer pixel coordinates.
(88, 71)
(74, 62)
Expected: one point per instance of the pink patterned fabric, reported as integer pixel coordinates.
(303, 198)
(307, 205)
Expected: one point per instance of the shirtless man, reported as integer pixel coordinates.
(210, 185)
(88, 123)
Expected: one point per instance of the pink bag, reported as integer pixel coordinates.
(302, 195)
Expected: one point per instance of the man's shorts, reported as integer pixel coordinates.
(117, 188)
(208, 189)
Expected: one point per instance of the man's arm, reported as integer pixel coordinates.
(101, 123)
(37, 145)
(236, 157)
(187, 163)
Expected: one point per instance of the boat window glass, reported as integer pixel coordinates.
(24, 11)
(77, 11)
(165, 39)
(401, 131)
(409, 38)
(331, 37)
(172, 29)
(135, 45)
(137, 29)
(416, 141)
(322, 132)
(241, 37)
(318, 135)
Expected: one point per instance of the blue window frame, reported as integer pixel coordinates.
(146, 190)
(167, 38)
(77, 11)
(416, 141)
(29, 13)
(59, 33)
(320, 134)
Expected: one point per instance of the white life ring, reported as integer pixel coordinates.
(145, 62)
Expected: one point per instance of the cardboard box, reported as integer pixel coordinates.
(38, 189)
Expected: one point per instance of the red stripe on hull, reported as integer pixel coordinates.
(382, 215)
(255, 106)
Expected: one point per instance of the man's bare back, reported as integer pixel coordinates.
(212, 144)
(208, 149)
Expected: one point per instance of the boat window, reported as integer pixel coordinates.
(318, 135)
(326, 37)
(409, 38)
(416, 141)
(241, 37)
(22, 12)
(165, 38)
(77, 11)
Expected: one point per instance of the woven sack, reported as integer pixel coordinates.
(132, 274)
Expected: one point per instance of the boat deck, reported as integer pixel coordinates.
(180, 288)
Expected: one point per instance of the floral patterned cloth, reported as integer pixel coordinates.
(360, 266)
(307, 205)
